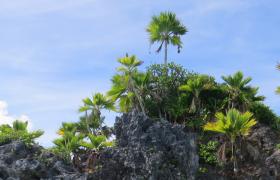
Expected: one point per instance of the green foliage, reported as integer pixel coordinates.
(87, 134)
(195, 86)
(166, 29)
(92, 122)
(234, 124)
(265, 115)
(18, 131)
(97, 142)
(240, 94)
(129, 86)
(163, 97)
(208, 152)
(278, 146)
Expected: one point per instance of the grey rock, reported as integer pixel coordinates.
(17, 161)
(149, 149)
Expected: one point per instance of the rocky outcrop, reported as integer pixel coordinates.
(18, 161)
(145, 149)
(149, 149)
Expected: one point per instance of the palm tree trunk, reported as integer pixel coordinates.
(87, 122)
(235, 169)
(140, 102)
(165, 52)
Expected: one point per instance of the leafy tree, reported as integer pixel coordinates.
(240, 94)
(234, 124)
(128, 85)
(166, 29)
(164, 100)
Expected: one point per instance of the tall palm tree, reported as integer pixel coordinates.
(95, 105)
(128, 85)
(195, 86)
(234, 124)
(166, 29)
(241, 95)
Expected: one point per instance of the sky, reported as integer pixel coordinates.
(55, 53)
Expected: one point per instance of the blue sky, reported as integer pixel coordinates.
(54, 53)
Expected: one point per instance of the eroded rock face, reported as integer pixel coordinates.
(17, 161)
(148, 149)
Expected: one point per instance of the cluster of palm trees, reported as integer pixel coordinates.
(87, 136)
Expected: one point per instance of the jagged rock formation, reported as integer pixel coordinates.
(18, 161)
(149, 149)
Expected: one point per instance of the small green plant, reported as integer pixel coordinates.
(233, 125)
(278, 146)
(208, 152)
(18, 131)
(202, 170)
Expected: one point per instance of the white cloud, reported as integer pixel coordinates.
(6, 118)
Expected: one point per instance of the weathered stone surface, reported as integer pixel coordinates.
(17, 161)
(148, 149)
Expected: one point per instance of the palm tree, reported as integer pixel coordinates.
(20, 125)
(69, 142)
(241, 95)
(128, 85)
(166, 29)
(234, 124)
(195, 86)
(95, 105)
(97, 142)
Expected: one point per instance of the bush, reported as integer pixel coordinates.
(208, 153)
(164, 100)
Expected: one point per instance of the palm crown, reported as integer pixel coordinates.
(241, 95)
(166, 29)
(233, 124)
(128, 84)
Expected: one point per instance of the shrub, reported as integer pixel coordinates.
(163, 98)
(208, 153)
